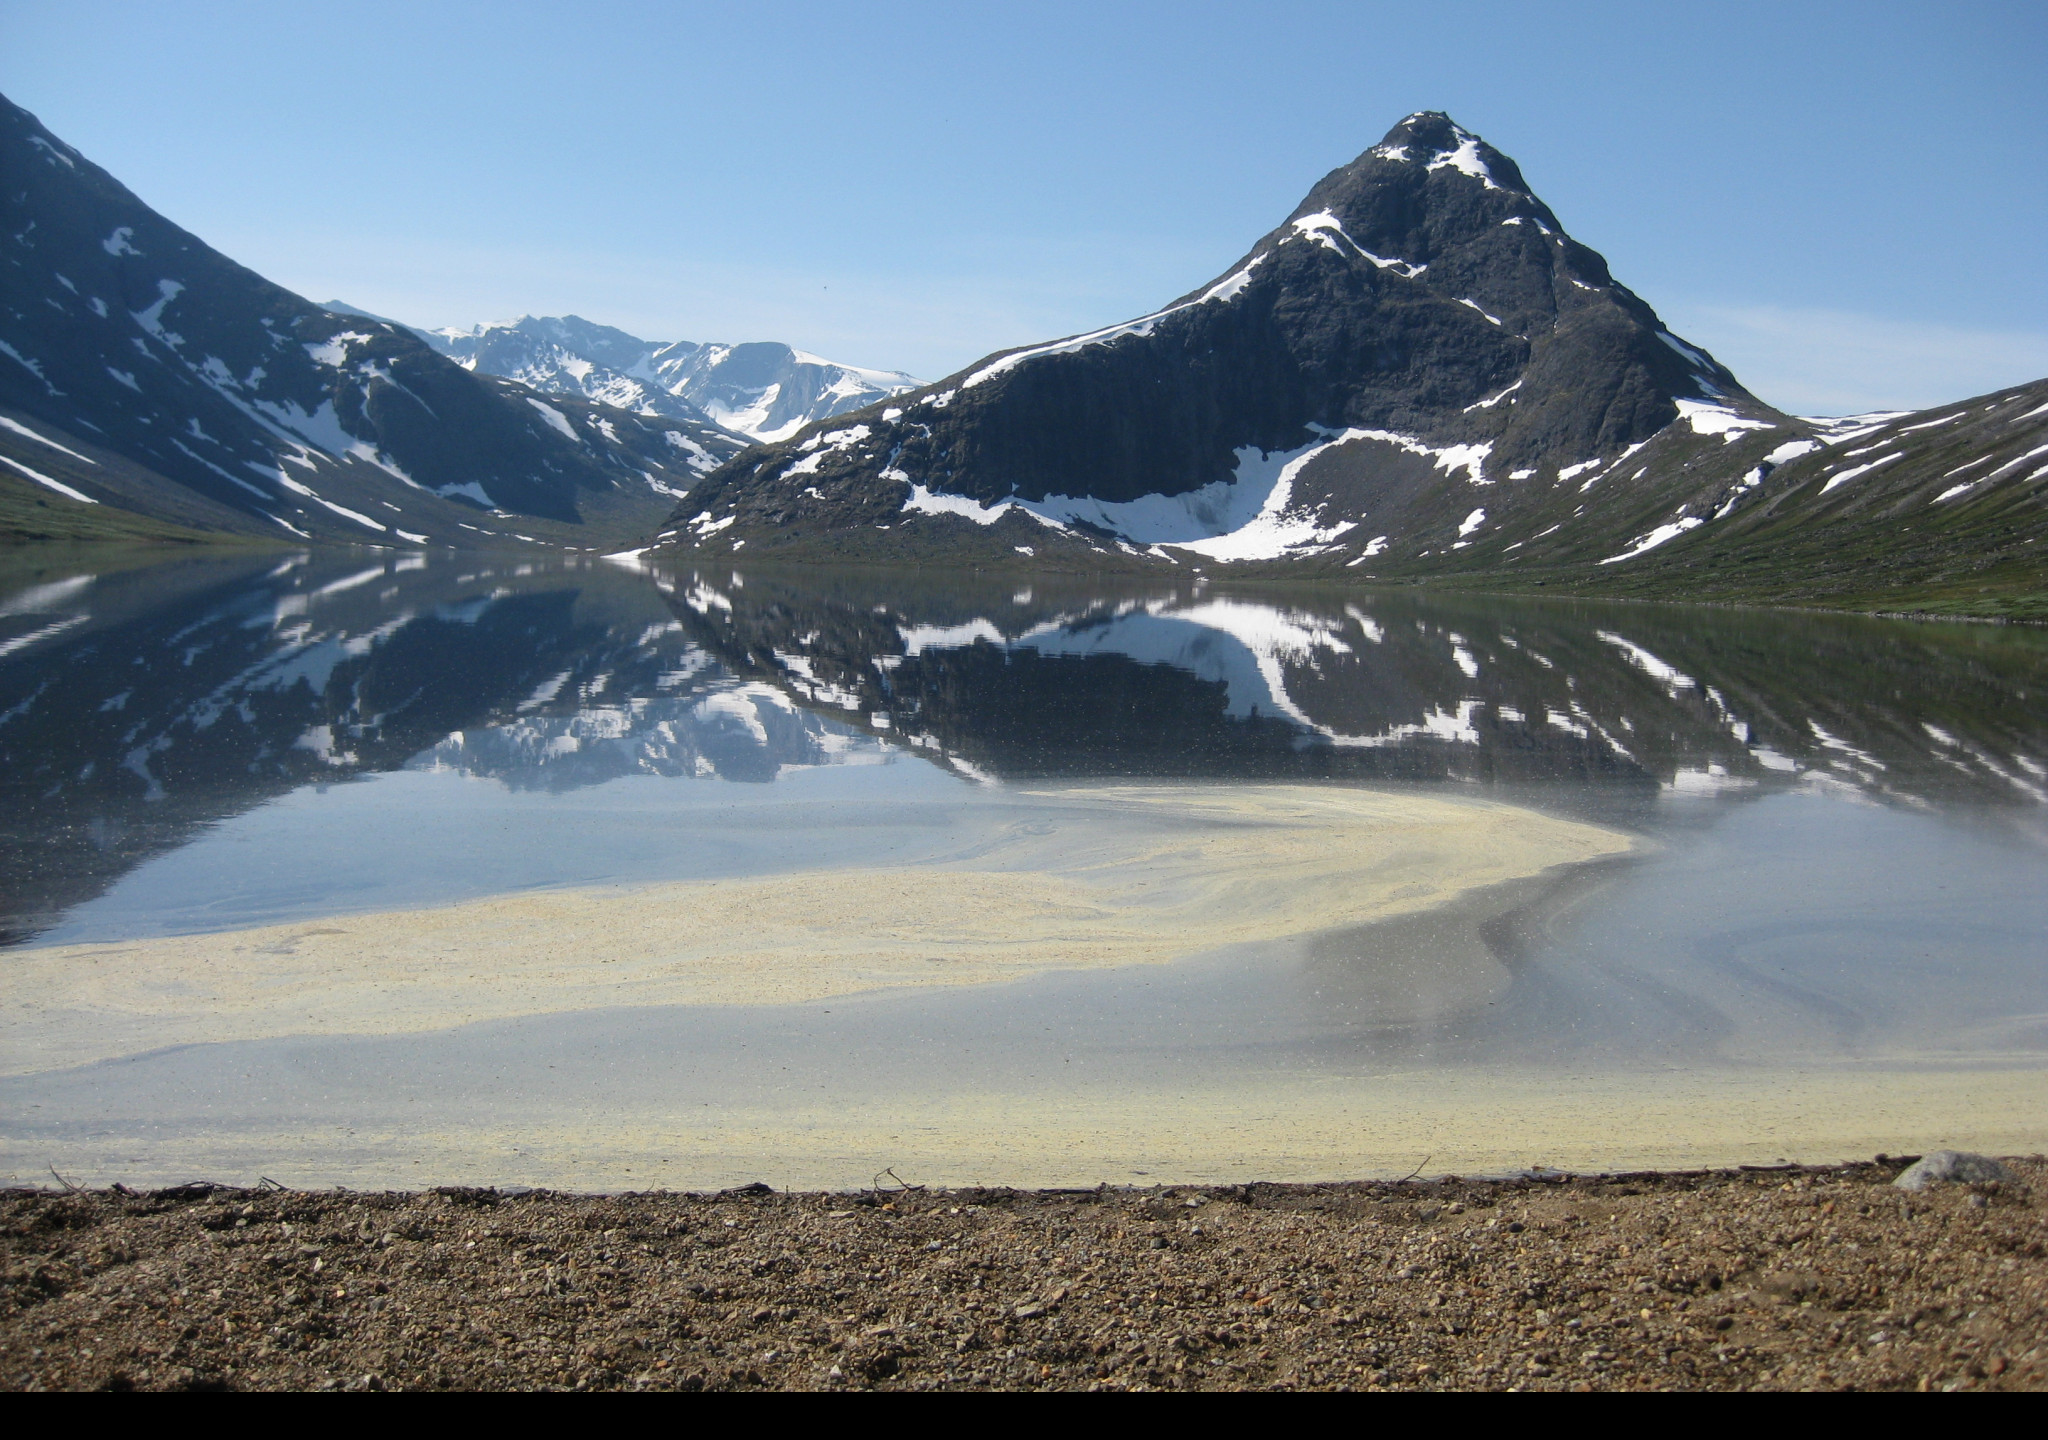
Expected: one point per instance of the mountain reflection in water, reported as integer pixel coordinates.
(1068, 679)
(139, 706)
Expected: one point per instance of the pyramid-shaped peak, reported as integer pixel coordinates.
(1434, 140)
(1428, 130)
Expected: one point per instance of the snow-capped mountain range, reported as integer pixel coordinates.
(761, 390)
(1417, 375)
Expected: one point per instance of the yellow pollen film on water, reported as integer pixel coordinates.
(1095, 878)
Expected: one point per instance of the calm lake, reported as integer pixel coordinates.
(352, 868)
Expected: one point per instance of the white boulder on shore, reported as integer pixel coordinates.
(1953, 1167)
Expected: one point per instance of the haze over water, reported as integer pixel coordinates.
(1366, 877)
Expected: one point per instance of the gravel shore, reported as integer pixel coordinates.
(1789, 1278)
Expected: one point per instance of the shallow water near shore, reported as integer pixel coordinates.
(381, 870)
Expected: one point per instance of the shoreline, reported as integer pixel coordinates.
(228, 547)
(1284, 1129)
(1778, 1277)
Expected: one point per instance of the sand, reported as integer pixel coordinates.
(1237, 1129)
(1096, 877)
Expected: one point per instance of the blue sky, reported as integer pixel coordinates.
(1846, 202)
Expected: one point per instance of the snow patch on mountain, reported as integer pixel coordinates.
(1488, 403)
(698, 458)
(1841, 429)
(1687, 351)
(1466, 159)
(20, 429)
(333, 351)
(1319, 229)
(930, 502)
(1845, 476)
(1707, 419)
(556, 419)
(1656, 537)
(44, 480)
(1791, 450)
(1251, 516)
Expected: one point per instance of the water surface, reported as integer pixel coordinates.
(1829, 926)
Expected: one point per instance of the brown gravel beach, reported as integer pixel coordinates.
(1789, 1278)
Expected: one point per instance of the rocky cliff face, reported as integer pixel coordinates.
(142, 369)
(1419, 357)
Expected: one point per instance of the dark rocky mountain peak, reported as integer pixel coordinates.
(1434, 140)
(1419, 345)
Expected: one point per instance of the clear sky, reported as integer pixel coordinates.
(1848, 203)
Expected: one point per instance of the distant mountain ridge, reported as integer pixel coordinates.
(761, 390)
(142, 370)
(1418, 373)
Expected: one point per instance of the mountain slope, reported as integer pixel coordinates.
(232, 404)
(1944, 509)
(1419, 358)
(764, 391)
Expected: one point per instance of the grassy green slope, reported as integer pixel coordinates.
(1944, 511)
(30, 514)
